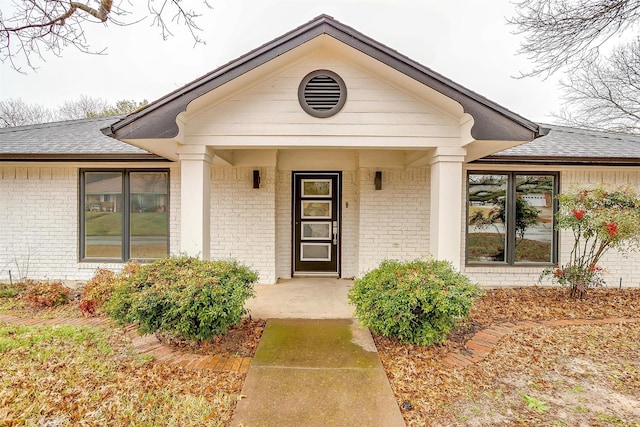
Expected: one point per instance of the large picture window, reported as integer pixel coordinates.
(510, 218)
(123, 214)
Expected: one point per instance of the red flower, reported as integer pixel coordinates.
(578, 213)
(612, 227)
(558, 273)
(593, 267)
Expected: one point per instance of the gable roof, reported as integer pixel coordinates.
(566, 145)
(158, 119)
(67, 140)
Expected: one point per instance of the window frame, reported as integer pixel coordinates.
(125, 255)
(510, 194)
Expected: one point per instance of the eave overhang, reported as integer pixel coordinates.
(158, 119)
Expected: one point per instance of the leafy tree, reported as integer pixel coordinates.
(577, 36)
(124, 106)
(34, 28)
(601, 218)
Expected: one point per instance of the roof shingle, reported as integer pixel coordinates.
(565, 144)
(73, 138)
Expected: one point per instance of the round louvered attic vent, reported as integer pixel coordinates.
(322, 93)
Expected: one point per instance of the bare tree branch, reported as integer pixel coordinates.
(36, 28)
(16, 112)
(570, 33)
(605, 93)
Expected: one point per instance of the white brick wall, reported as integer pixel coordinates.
(243, 218)
(283, 224)
(394, 221)
(174, 211)
(617, 267)
(350, 223)
(39, 223)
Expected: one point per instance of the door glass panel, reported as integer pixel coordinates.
(316, 230)
(316, 187)
(103, 215)
(486, 218)
(148, 214)
(315, 251)
(534, 218)
(316, 209)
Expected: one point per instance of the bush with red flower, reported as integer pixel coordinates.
(602, 217)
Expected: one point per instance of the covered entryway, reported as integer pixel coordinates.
(316, 223)
(257, 143)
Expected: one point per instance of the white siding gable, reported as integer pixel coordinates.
(377, 113)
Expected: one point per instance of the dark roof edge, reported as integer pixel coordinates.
(558, 161)
(23, 157)
(322, 25)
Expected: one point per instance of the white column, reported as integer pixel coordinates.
(446, 204)
(195, 201)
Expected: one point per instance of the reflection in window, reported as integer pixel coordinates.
(124, 214)
(103, 215)
(510, 218)
(534, 218)
(148, 218)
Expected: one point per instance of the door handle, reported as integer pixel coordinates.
(335, 232)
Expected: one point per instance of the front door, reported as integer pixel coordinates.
(316, 223)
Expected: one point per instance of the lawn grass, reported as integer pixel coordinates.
(82, 375)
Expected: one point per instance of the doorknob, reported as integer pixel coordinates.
(335, 232)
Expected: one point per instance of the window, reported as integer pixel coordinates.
(123, 214)
(510, 218)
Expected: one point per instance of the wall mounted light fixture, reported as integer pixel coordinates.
(256, 178)
(377, 181)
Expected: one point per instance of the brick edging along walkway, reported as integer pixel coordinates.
(478, 347)
(150, 345)
(483, 342)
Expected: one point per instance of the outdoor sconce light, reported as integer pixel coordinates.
(377, 181)
(256, 178)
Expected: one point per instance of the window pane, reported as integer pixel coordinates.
(534, 218)
(486, 226)
(148, 202)
(316, 252)
(103, 215)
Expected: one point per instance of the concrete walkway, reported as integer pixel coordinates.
(302, 298)
(316, 373)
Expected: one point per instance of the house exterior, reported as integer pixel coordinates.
(320, 153)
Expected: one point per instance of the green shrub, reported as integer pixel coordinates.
(99, 289)
(186, 296)
(42, 294)
(417, 302)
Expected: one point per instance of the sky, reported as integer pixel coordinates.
(467, 41)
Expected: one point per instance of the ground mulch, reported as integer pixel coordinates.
(432, 393)
(241, 340)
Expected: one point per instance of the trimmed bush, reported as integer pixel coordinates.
(186, 296)
(417, 302)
